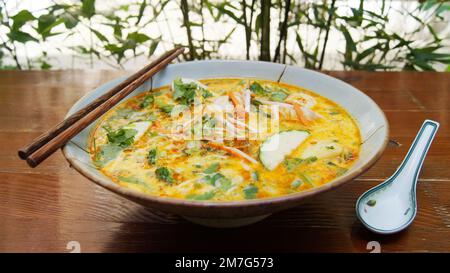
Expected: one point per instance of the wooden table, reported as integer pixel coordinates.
(43, 209)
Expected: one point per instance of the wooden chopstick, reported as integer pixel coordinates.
(56, 130)
(57, 141)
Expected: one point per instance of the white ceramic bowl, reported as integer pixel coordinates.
(371, 120)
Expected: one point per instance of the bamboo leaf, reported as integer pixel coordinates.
(21, 18)
(88, 8)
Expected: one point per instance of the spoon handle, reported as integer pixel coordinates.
(411, 165)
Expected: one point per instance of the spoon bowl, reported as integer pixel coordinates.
(391, 206)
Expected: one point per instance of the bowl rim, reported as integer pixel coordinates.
(288, 198)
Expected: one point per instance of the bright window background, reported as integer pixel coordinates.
(171, 31)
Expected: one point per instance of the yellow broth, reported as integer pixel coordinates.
(154, 163)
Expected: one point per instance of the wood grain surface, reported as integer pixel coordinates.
(49, 145)
(69, 121)
(43, 209)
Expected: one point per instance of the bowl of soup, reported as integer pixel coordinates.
(227, 143)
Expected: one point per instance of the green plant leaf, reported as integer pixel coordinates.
(152, 47)
(46, 23)
(100, 36)
(138, 37)
(69, 20)
(21, 18)
(21, 37)
(88, 8)
(141, 11)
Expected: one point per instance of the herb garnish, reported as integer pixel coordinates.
(149, 99)
(291, 163)
(151, 157)
(257, 88)
(279, 96)
(250, 191)
(212, 169)
(310, 159)
(184, 92)
(164, 174)
(122, 137)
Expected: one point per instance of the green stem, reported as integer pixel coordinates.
(330, 18)
(265, 30)
(203, 30)
(283, 31)
(246, 27)
(185, 11)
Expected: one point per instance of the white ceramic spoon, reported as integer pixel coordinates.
(391, 206)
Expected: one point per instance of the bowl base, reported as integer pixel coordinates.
(225, 223)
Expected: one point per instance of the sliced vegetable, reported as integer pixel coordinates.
(296, 183)
(307, 179)
(250, 191)
(275, 148)
(291, 163)
(322, 149)
(310, 159)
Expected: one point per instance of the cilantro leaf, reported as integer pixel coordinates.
(164, 174)
(206, 94)
(257, 88)
(278, 96)
(122, 137)
(151, 157)
(291, 163)
(184, 92)
(149, 99)
(212, 169)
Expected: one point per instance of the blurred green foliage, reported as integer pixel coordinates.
(368, 43)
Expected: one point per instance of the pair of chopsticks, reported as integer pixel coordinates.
(47, 143)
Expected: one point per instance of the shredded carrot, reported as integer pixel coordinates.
(233, 98)
(240, 110)
(232, 151)
(300, 115)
